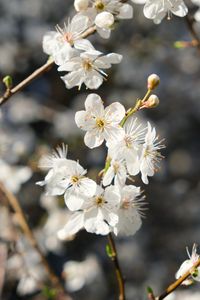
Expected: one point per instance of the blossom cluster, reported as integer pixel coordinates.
(112, 205)
(74, 53)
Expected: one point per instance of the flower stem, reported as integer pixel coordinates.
(118, 271)
(14, 203)
(178, 282)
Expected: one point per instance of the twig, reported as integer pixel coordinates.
(190, 24)
(178, 282)
(118, 271)
(44, 68)
(14, 203)
(150, 294)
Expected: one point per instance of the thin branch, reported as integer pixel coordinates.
(118, 271)
(44, 68)
(178, 282)
(14, 203)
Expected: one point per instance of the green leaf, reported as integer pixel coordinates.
(49, 293)
(7, 80)
(109, 250)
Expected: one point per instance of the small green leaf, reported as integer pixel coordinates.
(109, 250)
(149, 290)
(49, 293)
(7, 80)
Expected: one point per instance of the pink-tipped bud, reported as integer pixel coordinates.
(153, 81)
(152, 102)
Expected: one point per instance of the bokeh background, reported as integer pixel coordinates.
(42, 116)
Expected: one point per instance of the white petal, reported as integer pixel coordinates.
(73, 79)
(83, 44)
(87, 187)
(125, 12)
(115, 112)
(79, 23)
(93, 80)
(74, 224)
(94, 105)
(179, 9)
(108, 177)
(84, 121)
(73, 201)
(93, 139)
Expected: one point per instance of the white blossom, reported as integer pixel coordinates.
(88, 68)
(14, 176)
(79, 274)
(130, 211)
(66, 177)
(116, 171)
(158, 9)
(98, 214)
(150, 156)
(128, 148)
(62, 44)
(187, 265)
(101, 124)
(116, 8)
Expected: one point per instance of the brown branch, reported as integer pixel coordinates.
(118, 271)
(44, 68)
(190, 25)
(14, 203)
(178, 282)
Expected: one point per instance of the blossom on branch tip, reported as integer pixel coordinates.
(187, 265)
(101, 124)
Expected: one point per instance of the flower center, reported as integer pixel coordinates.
(68, 38)
(126, 203)
(74, 179)
(99, 200)
(100, 123)
(116, 167)
(128, 141)
(99, 5)
(87, 64)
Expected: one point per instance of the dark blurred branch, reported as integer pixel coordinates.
(178, 282)
(45, 68)
(118, 271)
(14, 203)
(190, 25)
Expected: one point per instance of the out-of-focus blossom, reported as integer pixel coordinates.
(14, 176)
(79, 274)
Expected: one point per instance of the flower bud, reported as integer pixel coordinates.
(104, 20)
(152, 102)
(153, 81)
(81, 4)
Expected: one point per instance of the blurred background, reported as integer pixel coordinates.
(41, 117)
